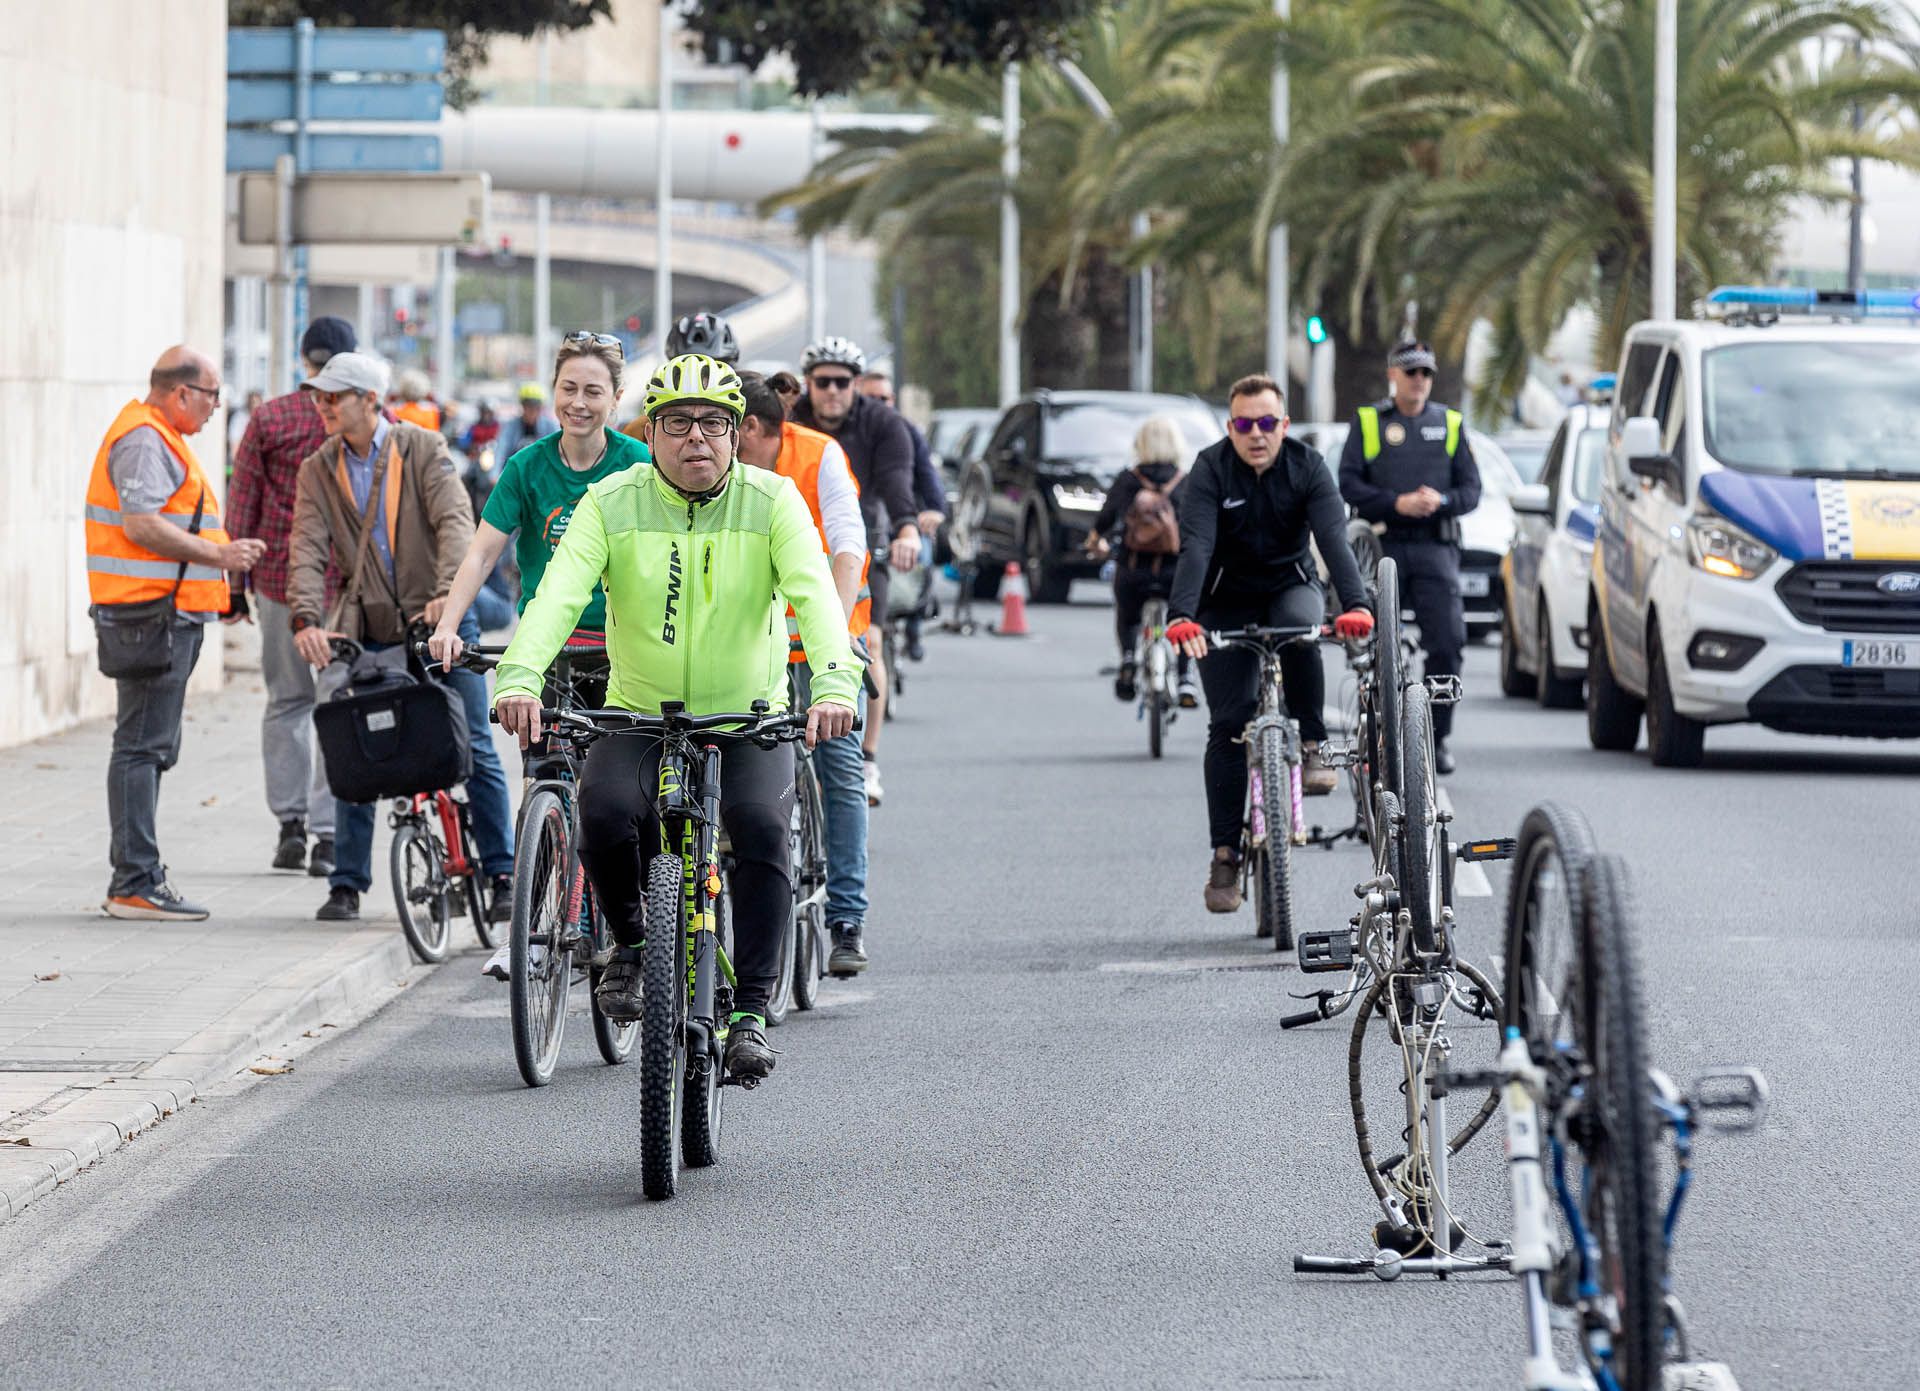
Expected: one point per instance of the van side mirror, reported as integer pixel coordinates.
(1531, 500)
(1645, 455)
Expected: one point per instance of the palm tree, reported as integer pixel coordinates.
(1539, 122)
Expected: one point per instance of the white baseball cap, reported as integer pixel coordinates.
(350, 372)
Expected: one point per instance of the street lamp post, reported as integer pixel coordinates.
(1009, 236)
(663, 193)
(1277, 251)
(1665, 198)
(542, 217)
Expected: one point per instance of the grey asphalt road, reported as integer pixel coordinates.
(1055, 1137)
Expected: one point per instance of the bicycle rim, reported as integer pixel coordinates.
(809, 884)
(663, 1029)
(417, 869)
(542, 890)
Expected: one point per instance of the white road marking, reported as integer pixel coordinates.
(1469, 879)
(1266, 960)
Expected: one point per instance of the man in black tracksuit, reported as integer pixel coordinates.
(1407, 466)
(1247, 509)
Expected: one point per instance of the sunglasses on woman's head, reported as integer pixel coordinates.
(598, 340)
(1247, 424)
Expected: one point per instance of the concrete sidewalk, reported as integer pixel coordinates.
(107, 1026)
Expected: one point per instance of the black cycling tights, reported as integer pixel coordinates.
(619, 833)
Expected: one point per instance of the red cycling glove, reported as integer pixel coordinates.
(1183, 631)
(1354, 623)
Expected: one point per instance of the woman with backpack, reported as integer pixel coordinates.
(1139, 516)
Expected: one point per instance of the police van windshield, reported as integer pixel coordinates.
(1813, 409)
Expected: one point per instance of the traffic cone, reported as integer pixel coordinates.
(1013, 603)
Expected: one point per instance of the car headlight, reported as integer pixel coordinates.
(1074, 497)
(1717, 546)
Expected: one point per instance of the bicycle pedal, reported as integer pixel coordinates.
(1499, 848)
(746, 1083)
(1325, 951)
(1340, 755)
(1445, 690)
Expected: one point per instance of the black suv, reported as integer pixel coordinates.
(1032, 494)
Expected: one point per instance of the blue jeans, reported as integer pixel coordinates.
(486, 791)
(493, 608)
(843, 789)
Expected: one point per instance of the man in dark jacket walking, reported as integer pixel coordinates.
(1247, 511)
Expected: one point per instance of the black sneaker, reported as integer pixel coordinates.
(618, 993)
(915, 651)
(849, 956)
(1124, 687)
(291, 852)
(1442, 757)
(320, 862)
(501, 910)
(342, 905)
(747, 1051)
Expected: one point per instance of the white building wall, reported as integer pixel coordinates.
(112, 117)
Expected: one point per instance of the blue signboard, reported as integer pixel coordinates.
(250, 151)
(253, 101)
(271, 52)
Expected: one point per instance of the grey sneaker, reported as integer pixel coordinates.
(161, 903)
(618, 993)
(747, 1052)
(849, 955)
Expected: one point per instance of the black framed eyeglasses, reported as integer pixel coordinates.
(216, 392)
(831, 383)
(680, 426)
(597, 340)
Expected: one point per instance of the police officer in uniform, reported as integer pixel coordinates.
(1407, 466)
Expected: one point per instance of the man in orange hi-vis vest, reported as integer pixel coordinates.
(154, 533)
(819, 469)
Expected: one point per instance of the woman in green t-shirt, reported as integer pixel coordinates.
(542, 483)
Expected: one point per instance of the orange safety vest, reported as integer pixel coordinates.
(422, 413)
(801, 451)
(120, 572)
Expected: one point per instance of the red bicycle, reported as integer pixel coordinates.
(436, 872)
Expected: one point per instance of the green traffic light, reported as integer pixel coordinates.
(1316, 329)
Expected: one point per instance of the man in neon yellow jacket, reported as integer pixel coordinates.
(700, 556)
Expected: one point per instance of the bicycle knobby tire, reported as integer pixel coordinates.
(663, 1029)
(1273, 877)
(1387, 675)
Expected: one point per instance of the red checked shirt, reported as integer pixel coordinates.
(281, 433)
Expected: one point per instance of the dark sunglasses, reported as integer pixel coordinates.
(598, 340)
(1247, 424)
(1418, 371)
(831, 383)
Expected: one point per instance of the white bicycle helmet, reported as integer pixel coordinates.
(833, 352)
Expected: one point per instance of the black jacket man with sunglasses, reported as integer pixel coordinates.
(1247, 511)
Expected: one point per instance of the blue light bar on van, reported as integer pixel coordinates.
(1730, 300)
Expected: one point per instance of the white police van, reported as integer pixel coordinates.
(1758, 555)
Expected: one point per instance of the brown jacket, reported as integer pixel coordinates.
(429, 526)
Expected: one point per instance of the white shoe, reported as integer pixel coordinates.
(500, 964)
(871, 771)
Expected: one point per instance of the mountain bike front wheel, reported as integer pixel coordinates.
(1422, 837)
(417, 866)
(663, 1028)
(700, 1106)
(540, 966)
(1273, 869)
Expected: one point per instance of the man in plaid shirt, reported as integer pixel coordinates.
(280, 434)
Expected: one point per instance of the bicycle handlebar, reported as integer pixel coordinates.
(763, 725)
(477, 657)
(1263, 638)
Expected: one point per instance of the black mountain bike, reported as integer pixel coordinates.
(687, 979)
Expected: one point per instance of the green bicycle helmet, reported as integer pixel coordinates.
(692, 377)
